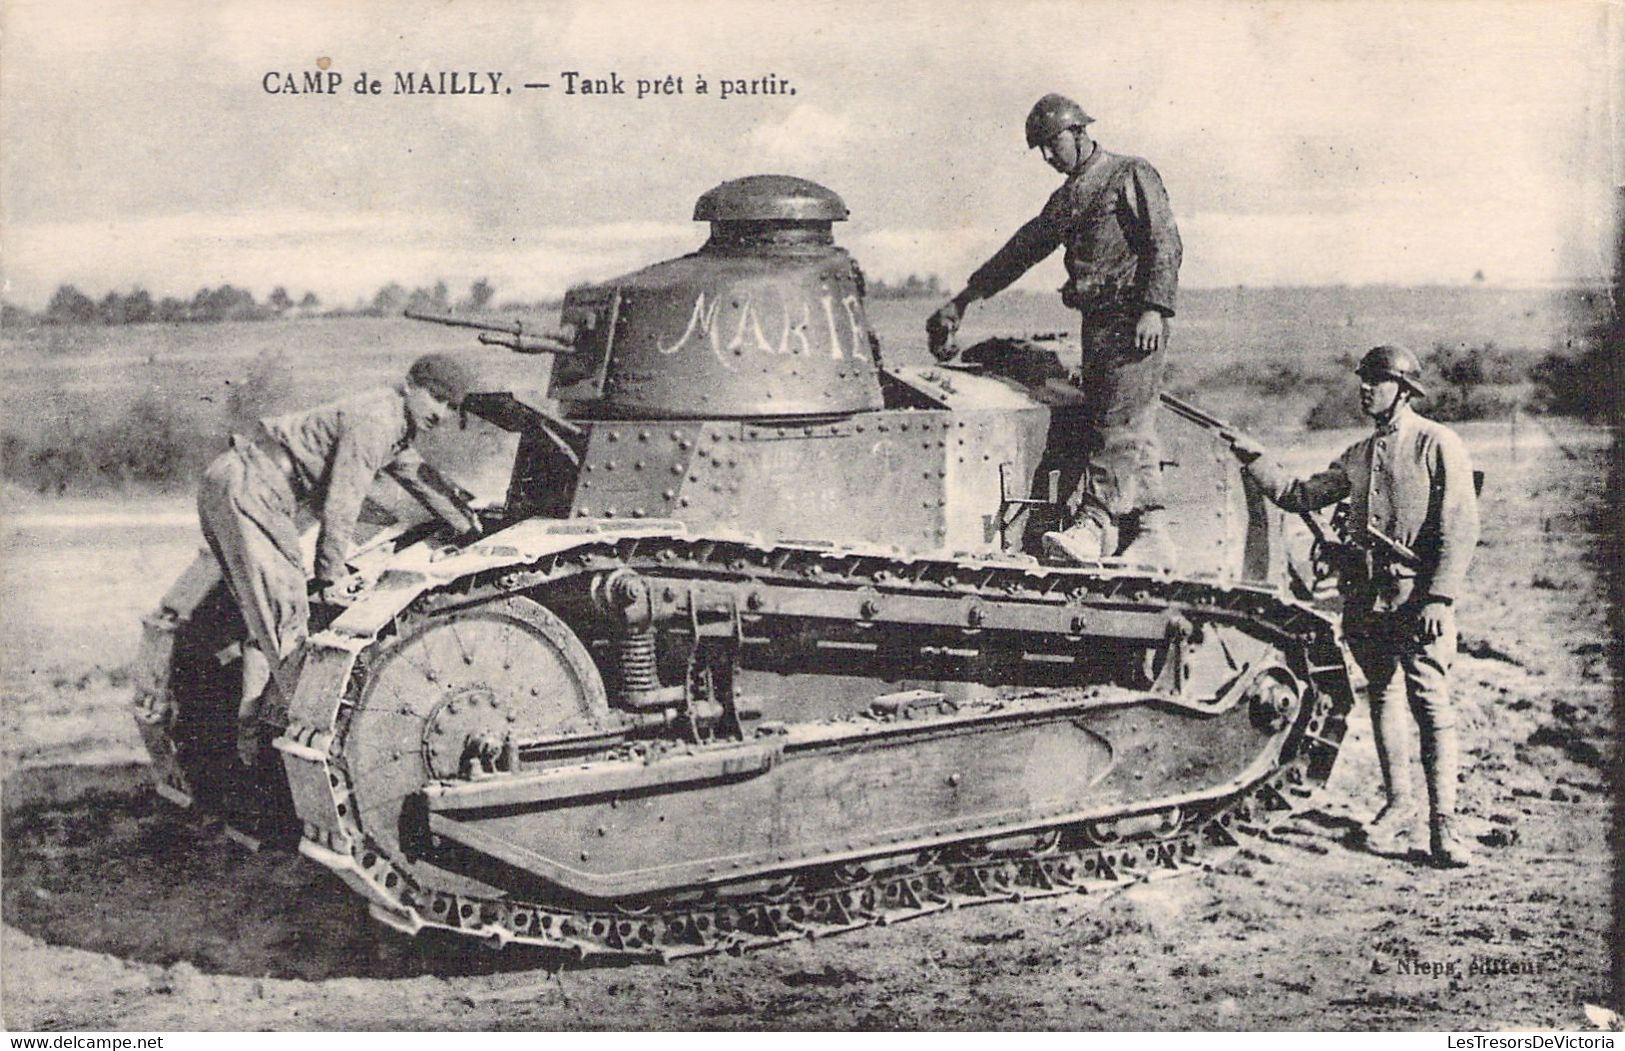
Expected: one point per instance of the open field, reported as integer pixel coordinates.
(59, 384)
(119, 913)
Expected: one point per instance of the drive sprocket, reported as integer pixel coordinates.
(451, 689)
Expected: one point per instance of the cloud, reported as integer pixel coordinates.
(804, 136)
(892, 254)
(1384, 243)
(1520, 239)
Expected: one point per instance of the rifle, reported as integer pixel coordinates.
(1329, 555)
(1223, 431)
(511, 334)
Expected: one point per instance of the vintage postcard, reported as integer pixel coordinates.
(741, 515)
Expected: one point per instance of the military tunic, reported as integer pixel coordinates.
(1122, 258)
(1122, 245)
(323, 460)
(1410, 491)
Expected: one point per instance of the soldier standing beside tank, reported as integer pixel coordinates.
(324, 460)
(1413, 517)
(1122, 263)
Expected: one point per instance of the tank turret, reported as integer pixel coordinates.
(766, 319)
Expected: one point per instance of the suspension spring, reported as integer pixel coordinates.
(635, 656)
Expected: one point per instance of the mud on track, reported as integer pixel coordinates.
(120, 912)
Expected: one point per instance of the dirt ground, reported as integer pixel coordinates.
(120, 913)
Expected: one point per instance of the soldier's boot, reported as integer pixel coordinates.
(1396, 821)
(1447, 847)
(1392, 826)
(256, 677)
(248, 742)
(1089, 539)
(1152, 545)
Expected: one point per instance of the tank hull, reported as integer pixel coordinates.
(955, 461)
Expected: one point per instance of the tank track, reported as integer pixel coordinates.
(773, 917)
(835, 898)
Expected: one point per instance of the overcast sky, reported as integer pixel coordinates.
(1302, 142)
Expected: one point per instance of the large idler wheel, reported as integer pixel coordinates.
(438, 700)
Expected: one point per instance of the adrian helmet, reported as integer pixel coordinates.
(1391, 361)
(1052, 115)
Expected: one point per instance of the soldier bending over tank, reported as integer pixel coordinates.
(324, 460)
(1122, 263)
(1414, 524)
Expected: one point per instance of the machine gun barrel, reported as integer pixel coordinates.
(510, 334)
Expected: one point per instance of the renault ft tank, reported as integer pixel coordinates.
(755, 649)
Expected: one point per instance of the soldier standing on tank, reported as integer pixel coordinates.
(1414, 524)
(323, 460)
(1122, 262)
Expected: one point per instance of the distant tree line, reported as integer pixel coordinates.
(911, 287)
(69, 306)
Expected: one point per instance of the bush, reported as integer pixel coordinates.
(154, 443)
(1339, 406)
(74, 445)
(1468, 367)
(1454, 404)
(1471, 383)
(149, 444)
(1276, 378)
(1583, 385)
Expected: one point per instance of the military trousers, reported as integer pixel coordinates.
(1409, 675)
(247, 511)
(1121, 385)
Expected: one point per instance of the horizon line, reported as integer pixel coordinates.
(1572, 284)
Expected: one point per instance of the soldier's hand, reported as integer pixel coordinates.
(335, 592)
(1148, 331)
(940, 328)
(1434, 616)
(1245, 448)
(343, 592)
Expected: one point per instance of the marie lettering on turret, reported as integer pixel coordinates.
(771, 322)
